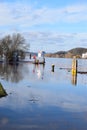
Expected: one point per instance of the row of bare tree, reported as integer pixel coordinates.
(13, 43)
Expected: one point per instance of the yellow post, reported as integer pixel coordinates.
(74, 66)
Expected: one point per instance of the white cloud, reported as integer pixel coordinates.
(76, 8)
(27, 15)
(21, 16)
(54, 41)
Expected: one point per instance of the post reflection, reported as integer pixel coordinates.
(39, 70)
(74, 80)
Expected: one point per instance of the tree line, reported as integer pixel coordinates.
(11, 44)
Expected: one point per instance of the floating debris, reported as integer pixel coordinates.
(69, 69)
(82, 72)
(33, 100)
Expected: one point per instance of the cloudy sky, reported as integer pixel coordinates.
(49, 25)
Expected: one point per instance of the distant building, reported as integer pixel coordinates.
(41, 54)
(84, 55)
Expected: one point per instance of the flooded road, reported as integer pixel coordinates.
(39, 99)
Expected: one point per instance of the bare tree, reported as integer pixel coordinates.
(18, 42)
(15, 43)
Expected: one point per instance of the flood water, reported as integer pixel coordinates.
(39, 99)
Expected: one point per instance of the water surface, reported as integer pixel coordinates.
(39, 99)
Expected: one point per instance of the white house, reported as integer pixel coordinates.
(84, 55)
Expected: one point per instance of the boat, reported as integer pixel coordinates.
(39, 59)
(34, 61)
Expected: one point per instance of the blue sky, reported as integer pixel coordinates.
(49, 25)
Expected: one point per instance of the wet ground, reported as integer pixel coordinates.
(39, 99)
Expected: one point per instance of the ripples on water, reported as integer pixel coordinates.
(40, 99)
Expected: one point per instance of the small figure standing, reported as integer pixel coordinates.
(30, 55)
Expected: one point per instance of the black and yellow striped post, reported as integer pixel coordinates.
(74, 66)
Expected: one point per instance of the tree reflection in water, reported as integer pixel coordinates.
(11, 73)
(17, 72)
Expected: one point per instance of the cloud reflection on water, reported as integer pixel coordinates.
(43, 88)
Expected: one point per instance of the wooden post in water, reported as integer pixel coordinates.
(53, 67)
(74, 66)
